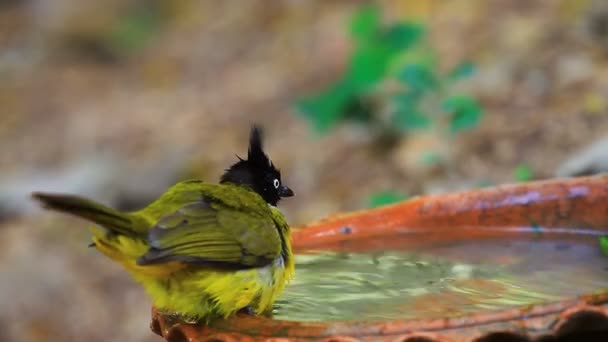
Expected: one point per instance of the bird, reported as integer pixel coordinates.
(202, 251)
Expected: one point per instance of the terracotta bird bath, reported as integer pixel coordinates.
(539, 225)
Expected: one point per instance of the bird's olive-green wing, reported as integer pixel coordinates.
(208, 233)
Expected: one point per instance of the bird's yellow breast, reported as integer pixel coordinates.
(222, 293)
(201, 292)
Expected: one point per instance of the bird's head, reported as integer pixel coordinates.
(257, 172)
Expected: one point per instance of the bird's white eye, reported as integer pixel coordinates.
(276, 183)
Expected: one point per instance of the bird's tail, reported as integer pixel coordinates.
(112, 220)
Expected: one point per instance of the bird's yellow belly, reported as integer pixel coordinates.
(205, 294)
(196, 292)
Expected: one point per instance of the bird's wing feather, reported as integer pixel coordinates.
(210, 233)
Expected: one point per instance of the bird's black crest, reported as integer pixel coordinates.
(256, 154)
(257, 171)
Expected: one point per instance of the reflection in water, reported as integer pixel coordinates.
(445, 280)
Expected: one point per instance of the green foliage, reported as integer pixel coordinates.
(462, 70)
(419, 78)
(393, 85)
(365, 23)
(376, 47)
(402, 36)
(136, 28)
(408, 119)
(604, 245)
(324, 110)
(430, 158)
(384, 53)
(523, 173)
(464, 112)
(384, 198)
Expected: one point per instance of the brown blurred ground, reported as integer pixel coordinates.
(74, 116)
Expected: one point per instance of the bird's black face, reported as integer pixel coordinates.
(268, 184)
(258, 172)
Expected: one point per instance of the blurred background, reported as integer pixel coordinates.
(363, 104)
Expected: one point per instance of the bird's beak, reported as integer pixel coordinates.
(285, 191)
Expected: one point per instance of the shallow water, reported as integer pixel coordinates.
(447, 280)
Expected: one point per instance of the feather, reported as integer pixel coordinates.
(256, 154)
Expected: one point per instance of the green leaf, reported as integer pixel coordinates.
(408, 100)
(430, 158)
(523, 173)
(411, 120)
(465, 112)
(326, 109)
(402, 36)
(375, 49)
(360, 109)
(384, 198)
(418, 77)
(368, 65)
(407, 115)
(604, 245)
(135, 29)
(365, 23)
(462, 70)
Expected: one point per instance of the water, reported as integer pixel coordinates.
(446, 280)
